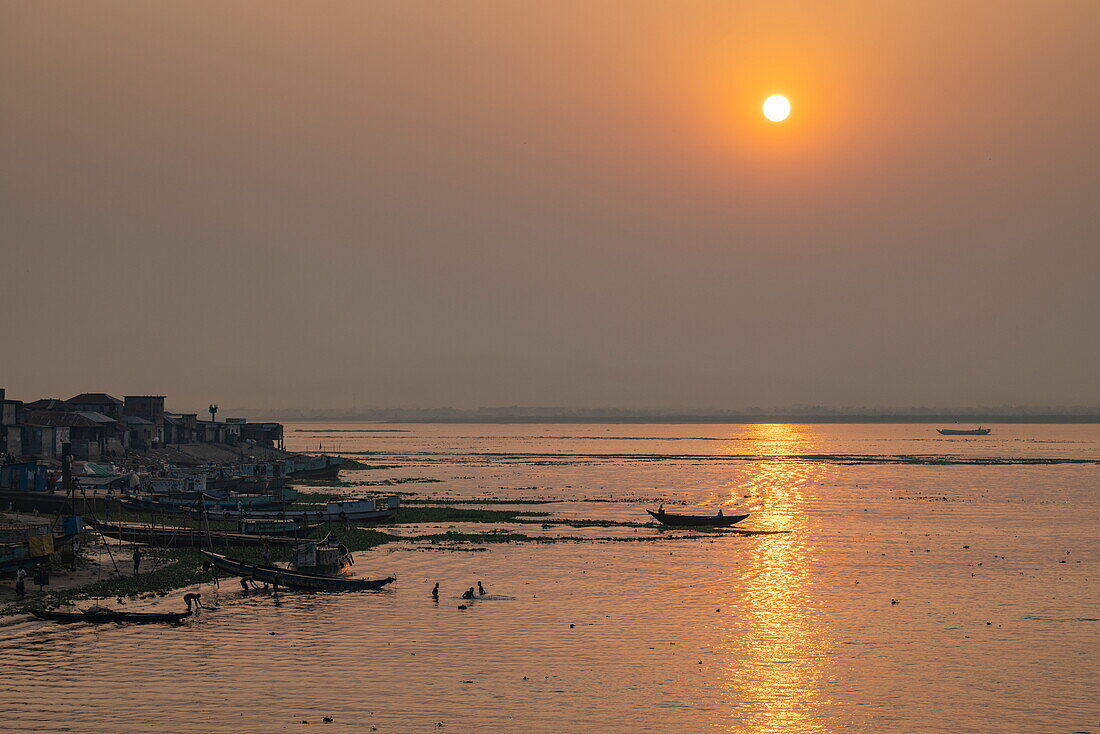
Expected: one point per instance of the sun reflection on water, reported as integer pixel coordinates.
(777, 668)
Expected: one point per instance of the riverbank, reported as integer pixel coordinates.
(104, 567)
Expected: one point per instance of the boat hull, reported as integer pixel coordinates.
(188, 537)
(110, 617)
(696, 521)
(957, 432)
(358, 516)
(293, 579)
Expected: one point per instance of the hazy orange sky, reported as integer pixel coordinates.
(350, 204)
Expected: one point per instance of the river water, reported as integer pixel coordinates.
(988, 545)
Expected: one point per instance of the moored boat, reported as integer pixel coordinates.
(185, 505)
(327, 557)
(293, 579)
(109, 615)
(356, 510)
(714, 521)
(168, 537)
(320, 467)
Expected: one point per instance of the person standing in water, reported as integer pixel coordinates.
(480, 589)
(435, 592)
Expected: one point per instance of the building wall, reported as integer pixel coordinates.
(9, 412)
(11, 441)
(150, 407)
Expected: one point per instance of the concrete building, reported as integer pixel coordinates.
(98, 402)
(11, 436)
(149, 407)
(92, 435)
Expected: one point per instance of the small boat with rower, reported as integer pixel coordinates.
(964, 431)
(698, 521)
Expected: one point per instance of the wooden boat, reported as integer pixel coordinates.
(320, 467)
(356, 510)
(193, 509)
(110, 615)
(285, 577)
(166, 537)
(168, 503)
(962, 432)
(326, 557)
(713, 521)
(269, 526)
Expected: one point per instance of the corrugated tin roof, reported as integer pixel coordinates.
(97, 417)
(81, 419)
(95, 398)
(49, 404)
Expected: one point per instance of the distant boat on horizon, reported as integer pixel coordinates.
(964, 432)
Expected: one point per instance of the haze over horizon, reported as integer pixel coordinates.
(491, 203)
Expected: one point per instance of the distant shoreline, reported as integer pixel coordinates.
(946, 420)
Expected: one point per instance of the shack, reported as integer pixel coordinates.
(28, 475)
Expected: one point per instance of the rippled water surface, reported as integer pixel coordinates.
(988, 545)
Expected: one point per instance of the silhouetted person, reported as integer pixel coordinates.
(435, 592)
(661, 509)
(193, 598)
(21, 582)
(480, 589)
(468, 594)
(41, 576)
(719, 512)
(137, 560)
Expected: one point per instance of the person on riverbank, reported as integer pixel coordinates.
(137, 560)
(42, 576)
(21, 582)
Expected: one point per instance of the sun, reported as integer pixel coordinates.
(777, 108)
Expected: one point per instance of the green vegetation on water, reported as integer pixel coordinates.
(178, 568)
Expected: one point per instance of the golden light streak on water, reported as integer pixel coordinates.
(780, 668)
